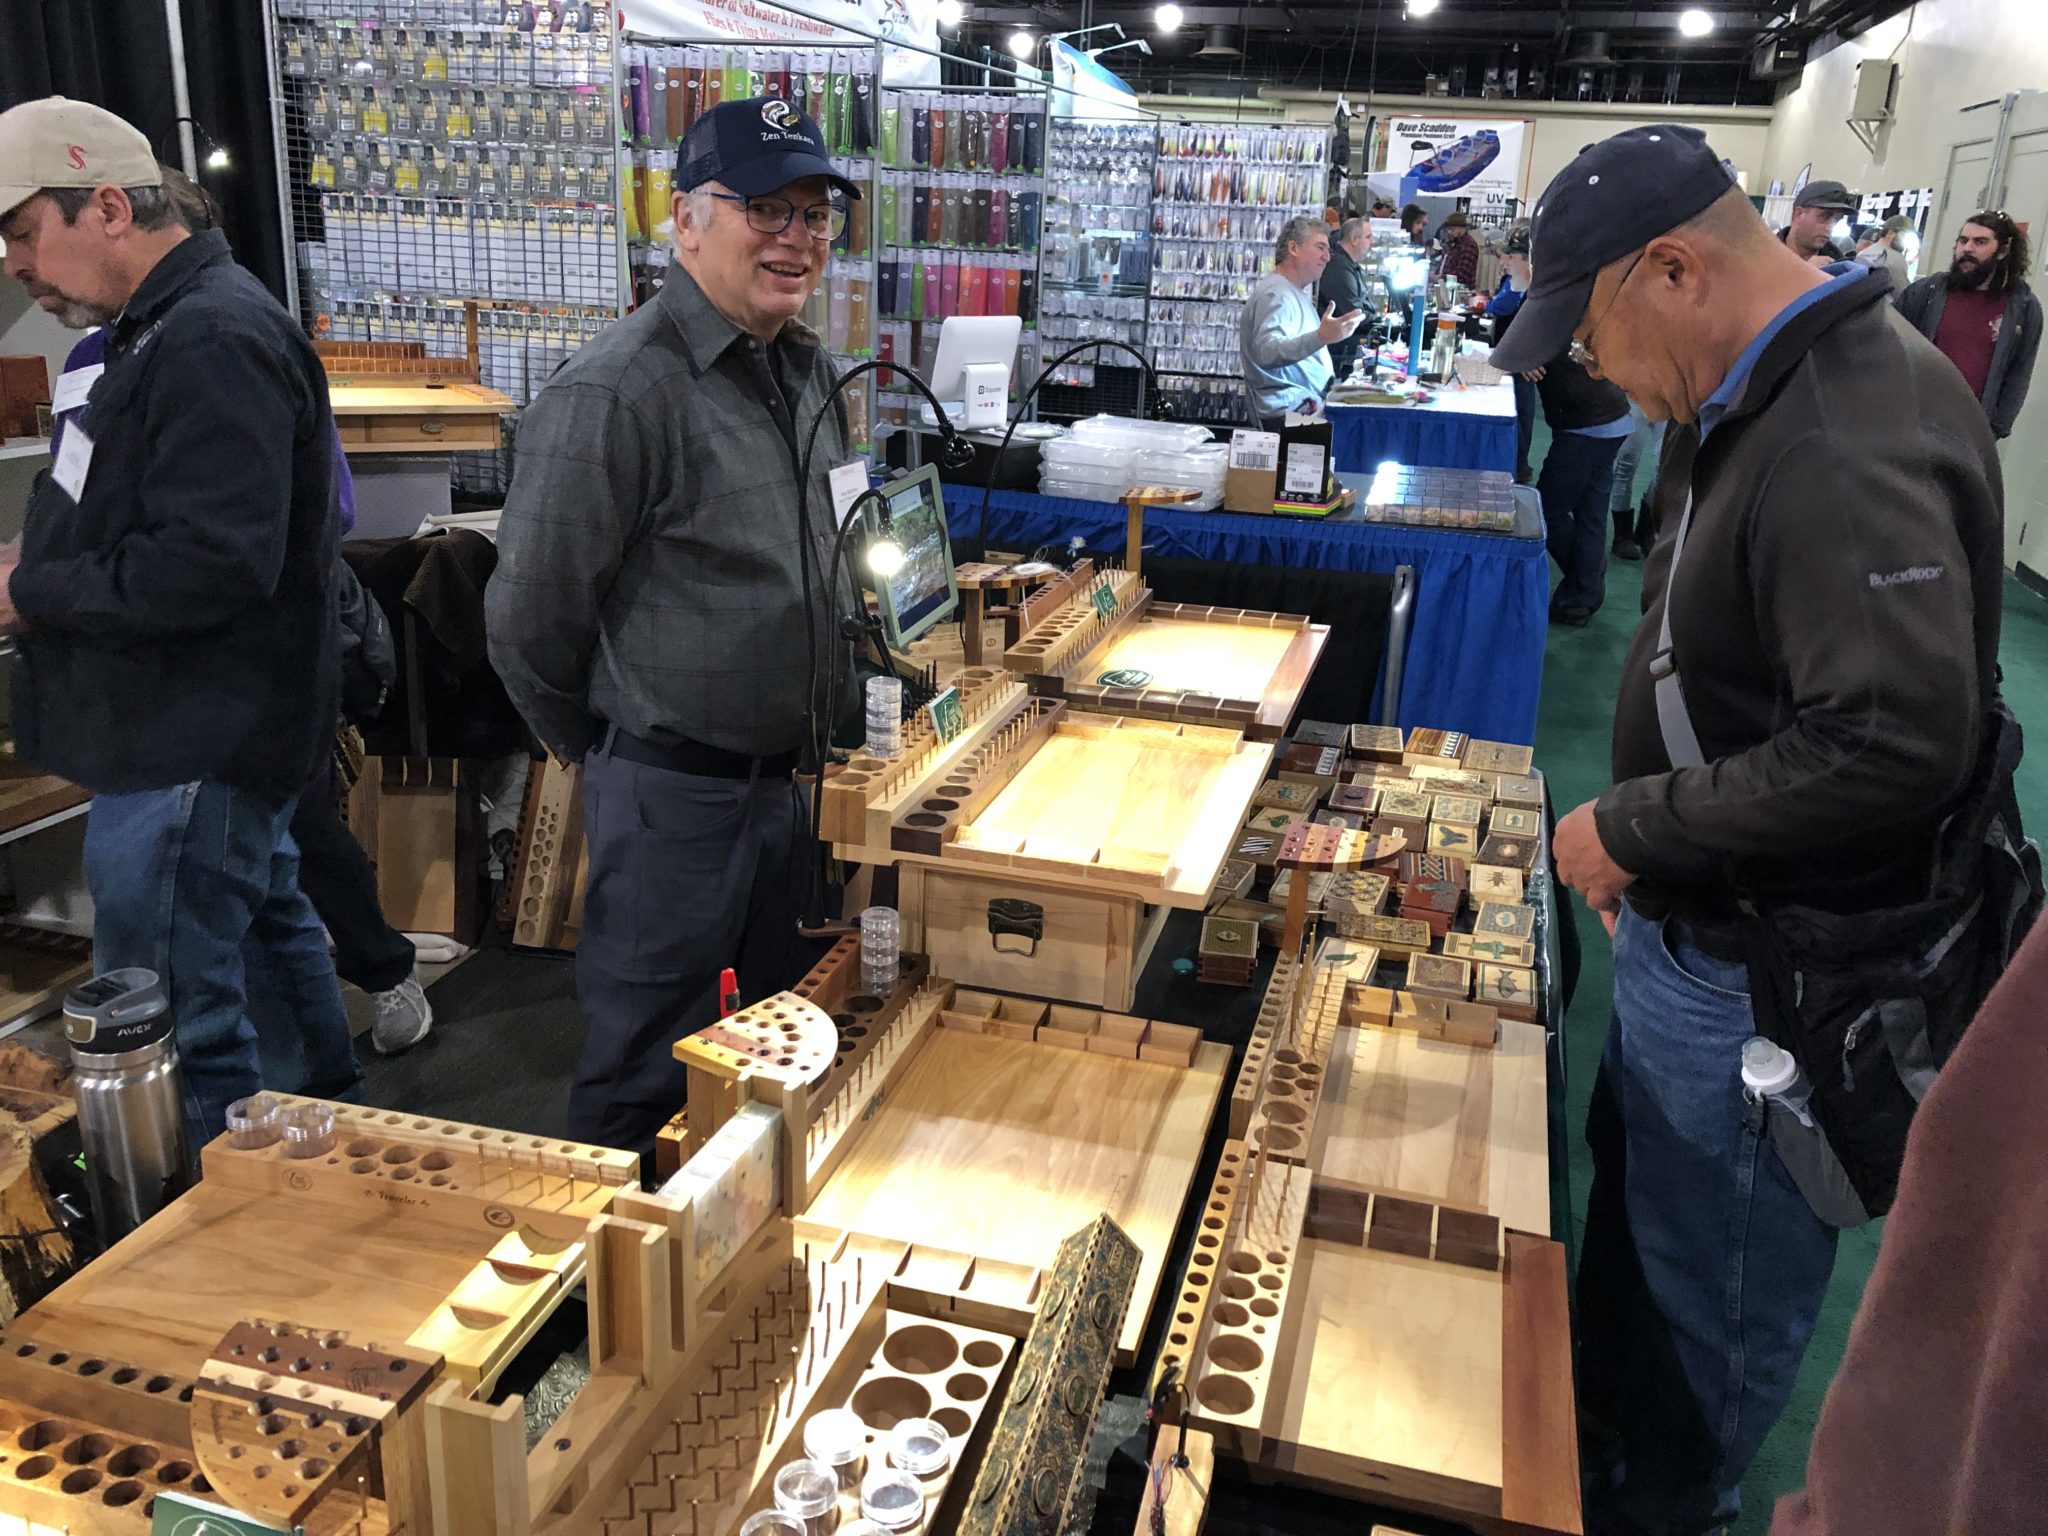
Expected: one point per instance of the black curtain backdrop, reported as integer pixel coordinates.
(116, 54)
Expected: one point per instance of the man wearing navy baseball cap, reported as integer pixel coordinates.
(652, 614)
(1810, 692)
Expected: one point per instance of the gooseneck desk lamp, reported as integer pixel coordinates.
(955, 453)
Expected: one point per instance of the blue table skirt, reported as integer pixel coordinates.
(1364, 436)
(1475, 649)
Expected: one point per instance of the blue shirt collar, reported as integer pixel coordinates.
(1841, 274)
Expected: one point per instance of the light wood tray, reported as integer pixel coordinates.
(1148, 808)
(1003, 1148)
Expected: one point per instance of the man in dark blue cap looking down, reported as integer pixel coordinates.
(648, 613)
(1803, 705)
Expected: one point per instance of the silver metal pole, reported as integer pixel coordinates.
(181, 88)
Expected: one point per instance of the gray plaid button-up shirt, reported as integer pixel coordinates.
(648, 572)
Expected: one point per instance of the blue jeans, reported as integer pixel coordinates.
(1703, 1268)
(199, 882)
(1646, 437)
(1578, 474)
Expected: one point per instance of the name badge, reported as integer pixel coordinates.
(74, 462)
(75, 387)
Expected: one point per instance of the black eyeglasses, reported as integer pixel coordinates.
(772, 215)
(1581, 352)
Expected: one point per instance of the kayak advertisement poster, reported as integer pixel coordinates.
(1481, 160)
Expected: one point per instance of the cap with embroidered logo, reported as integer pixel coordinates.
(57, 142)
(754, 147)
(1617, 196)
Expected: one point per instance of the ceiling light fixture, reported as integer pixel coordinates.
(1168, 17)
(1420, 7)
(1021, 43)
(951, 13)
(1695, 22)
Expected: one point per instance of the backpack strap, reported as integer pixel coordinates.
(1681, 742)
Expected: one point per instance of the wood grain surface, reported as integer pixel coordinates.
(1235, 660)
(1451, 1124)
(1396, 1385)
(1003, 1149)
(1145, 806)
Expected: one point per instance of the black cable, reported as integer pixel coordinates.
(955, 453)
(989, 485)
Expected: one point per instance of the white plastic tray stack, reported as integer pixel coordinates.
(1101, 458)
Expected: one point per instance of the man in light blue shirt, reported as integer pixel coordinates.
(1284, 341)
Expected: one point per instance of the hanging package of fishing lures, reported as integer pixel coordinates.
(666, 86)
(1221, 194)
(959, 204)
(453, 150)
(1098, 243)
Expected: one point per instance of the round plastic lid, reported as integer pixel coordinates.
(1767, 1067)
(308, 1122)
(835, 1436)
(772, 1522)
(893, 1500)
(919, 1446)
(806, 1489)
(259, 1109)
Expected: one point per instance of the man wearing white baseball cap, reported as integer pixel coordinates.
(172, 592)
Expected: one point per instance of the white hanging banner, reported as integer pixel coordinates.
(1481, 160)
(913, 22)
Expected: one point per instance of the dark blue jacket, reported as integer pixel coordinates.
(179, 613)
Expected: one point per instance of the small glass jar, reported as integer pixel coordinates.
(772, 1522)
(894, 1501)
(921, 1448)
(308, 1130)
(838, 1438)
(808, 1491)
(255, 1122)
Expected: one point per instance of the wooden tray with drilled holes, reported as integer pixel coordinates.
(410, 1231)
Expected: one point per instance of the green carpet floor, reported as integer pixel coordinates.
(1581, 667)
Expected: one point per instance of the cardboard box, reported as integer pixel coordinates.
(1251, 480)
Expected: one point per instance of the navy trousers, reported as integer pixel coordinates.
(688, 875)
(1577, 478)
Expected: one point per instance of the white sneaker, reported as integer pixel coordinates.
(403, 1017)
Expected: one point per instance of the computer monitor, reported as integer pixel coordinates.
(972, 374)
(923, 592)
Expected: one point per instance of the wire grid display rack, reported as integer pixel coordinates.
(439, 152)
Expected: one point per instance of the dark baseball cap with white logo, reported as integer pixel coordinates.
(1616, 197)
(755, 147)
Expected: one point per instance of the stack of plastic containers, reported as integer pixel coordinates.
(1101, 458)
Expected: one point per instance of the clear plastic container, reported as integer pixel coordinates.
(885, 717)
(1210, 458)
(254, 1122)
(921, 1448)
(1162, 436)
(772, 1522)
(308, 1130)
(808, 1491)
(837, 1437)
(880, 952)
(894, 1501)
(1088, 474)
(1069, 450)
(1080, 490)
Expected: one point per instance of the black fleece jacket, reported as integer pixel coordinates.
(1834, 620)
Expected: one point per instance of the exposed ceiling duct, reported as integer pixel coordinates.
(1221, 41)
